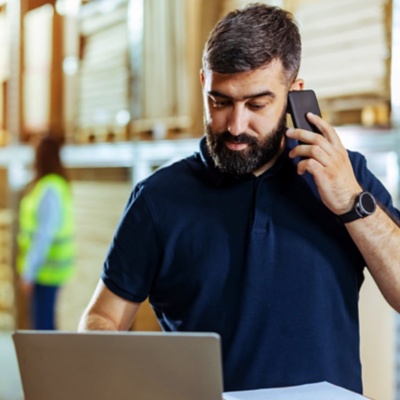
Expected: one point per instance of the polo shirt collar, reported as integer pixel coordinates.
(218, 177)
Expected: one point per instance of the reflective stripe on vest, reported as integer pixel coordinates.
(59, 263)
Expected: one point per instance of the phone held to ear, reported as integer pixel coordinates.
(300, 102)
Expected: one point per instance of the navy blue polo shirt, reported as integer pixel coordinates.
(259, 260)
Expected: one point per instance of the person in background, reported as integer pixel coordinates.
(261, 236)
(45, 259)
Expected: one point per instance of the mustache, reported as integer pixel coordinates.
(242, 138)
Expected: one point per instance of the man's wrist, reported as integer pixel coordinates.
(364, 205)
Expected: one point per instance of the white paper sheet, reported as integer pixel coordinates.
(314, 391)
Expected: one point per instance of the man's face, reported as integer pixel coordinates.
(245, 117)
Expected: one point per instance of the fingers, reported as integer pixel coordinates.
(325, 158)
(327, 131)
(315, 145)
(310, 165)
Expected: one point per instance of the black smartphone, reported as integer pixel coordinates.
(300, 102)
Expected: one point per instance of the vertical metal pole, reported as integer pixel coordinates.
(13, 118)
(136, 34)
(135, 31)
(13, 85)
(13, 109)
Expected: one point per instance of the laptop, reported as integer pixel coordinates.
(57, 365)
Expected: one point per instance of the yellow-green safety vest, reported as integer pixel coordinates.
(59, 264)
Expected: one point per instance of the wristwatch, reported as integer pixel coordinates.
(365, 205)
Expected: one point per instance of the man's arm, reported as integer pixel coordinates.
(107, 312)
(376, 236)
(378, 239)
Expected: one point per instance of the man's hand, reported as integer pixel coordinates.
(326, 159)
(378, 236)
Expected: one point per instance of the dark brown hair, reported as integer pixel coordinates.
(251, 37)
(48, 158)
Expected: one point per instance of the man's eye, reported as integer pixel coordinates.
(256, 106)
(219, 104)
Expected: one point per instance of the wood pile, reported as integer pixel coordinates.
(104, 77)
(98, 208)
(346, 58)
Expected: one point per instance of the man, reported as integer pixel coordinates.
(251, 237)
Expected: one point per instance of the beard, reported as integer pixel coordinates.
(258, 152)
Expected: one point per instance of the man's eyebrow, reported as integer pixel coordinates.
(266, 93)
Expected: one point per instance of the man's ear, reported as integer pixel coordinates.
(202, 78)
(298, 84)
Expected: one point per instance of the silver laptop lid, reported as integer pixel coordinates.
(119, 365)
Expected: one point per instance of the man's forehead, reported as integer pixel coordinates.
(268, 77)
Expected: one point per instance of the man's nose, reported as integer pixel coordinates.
(237, 121)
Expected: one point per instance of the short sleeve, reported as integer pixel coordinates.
(133, 257)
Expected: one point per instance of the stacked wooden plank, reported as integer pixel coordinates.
(346, 53)
(37, 55)
(104, 77)
(98, 207)
(165, 98)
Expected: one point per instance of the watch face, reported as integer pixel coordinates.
(367, 203)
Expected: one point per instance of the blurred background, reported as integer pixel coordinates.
(118, 82)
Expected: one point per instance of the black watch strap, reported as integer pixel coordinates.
(365, 205)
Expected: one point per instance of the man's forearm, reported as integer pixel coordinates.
(378, 239)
